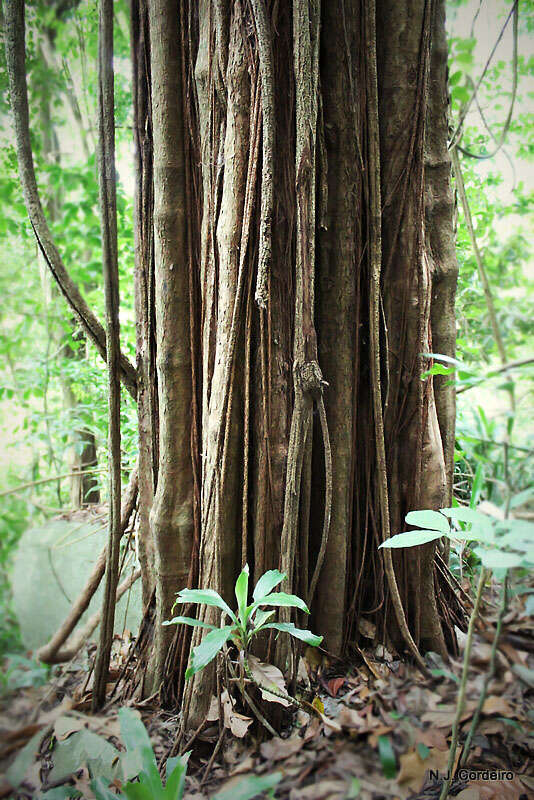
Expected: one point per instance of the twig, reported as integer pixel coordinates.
(48, 480)
(500, 141)
(456, 135)
(480, 265)
(490, 673)
(460, 704)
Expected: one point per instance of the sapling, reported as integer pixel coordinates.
(500, 544)
(245, 624)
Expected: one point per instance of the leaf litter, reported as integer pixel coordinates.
(381, 728)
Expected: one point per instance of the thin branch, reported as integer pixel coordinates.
(77, 642)
(457, 133)
(16, 69)
(520, 362)
(460, 705)
(108, 210)
(48, 480)
(480, 264)
(490, 674)
(500, 141)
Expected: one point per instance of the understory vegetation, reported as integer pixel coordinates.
(358, 718)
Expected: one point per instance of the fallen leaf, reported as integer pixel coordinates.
(320, 790)
(444, 717)
(334, 685)
(431, 737)
(497, 705)
(268, 675)
(277, 749)
(413, 768)
(238, 723)
(351, 719)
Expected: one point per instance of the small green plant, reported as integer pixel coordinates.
(139, 760)
(20, 673)
(249, 620)
(138, 768)
(247, 623)
(500, 543)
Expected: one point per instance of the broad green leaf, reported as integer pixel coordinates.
(207, 597)
(469, 515)
(261, 618)
(62, 793)
(208, 649)
(26, 757)
(102, 791)
(387, 757)
(149, 786)
(195, 623)
(411, 539)
(133, 732)
(241, 593)
(249, 786)
(522, 497)
(280, 599)
(445, 359)
(176, 772)
(288, 627)
(267, 583)
(498, 559)
(84, 747)
(432, 520)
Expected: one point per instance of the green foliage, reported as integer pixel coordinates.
(20, 672)
(247, 623)
(498, 543)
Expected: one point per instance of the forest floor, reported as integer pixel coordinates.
(382, 729)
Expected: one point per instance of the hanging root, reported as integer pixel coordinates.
(267, 106)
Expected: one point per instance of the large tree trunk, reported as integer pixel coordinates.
(292, 164)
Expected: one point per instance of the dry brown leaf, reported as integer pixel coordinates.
(213, 712)
(277, 749)
(497, 705)
(238, 723)
(351, 719)
(326, 789)
(470, 793)
(431, 737)
(413, 768)
(334, 685)
(268, 675)
(444, 717)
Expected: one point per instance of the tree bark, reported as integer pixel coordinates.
(171, 517)
(292, 170)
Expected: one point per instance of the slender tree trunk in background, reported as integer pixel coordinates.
(171, 518)
(265, 144)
